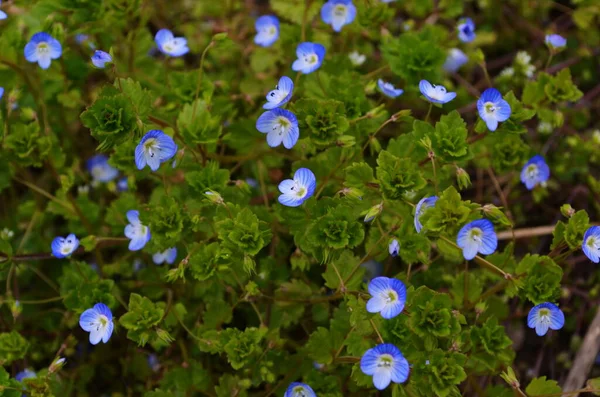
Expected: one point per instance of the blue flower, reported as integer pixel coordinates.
(555, 41)
(388, 89)
(281, 94)
(100, 170)
(138, 234)
(122, 185)
(3, 15)
(169, 255)
(535, 172)
(477, 236)
(155, 147)
(492, 108)
(153, 362)
(422, 206)
(310, 57)
(280, 125)
(386, 364)
(25, 374)
(394, 248)
(388, 297)
(42, 48)
(455, 59)
(435, 93)
(267, 30)
(298, 190)
(98, 322)
(1, 92)
(169, 44)
(466, 30)
(545, 315)
(338, 13)
(298, 389)
(101, 58)
(591, 244)
(64, 246)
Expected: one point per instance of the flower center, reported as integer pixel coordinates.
(339, 10)
(489, 107)
(272, 30)
(593, 243)
(532, 171)
(283, 124)
(103, 320)
(311, 59)
(299, 391)
(476, 234)
(151, 145)
(391, 296)
(385, 361)
(43, 48)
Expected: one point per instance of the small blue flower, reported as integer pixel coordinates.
(122, 185)
(394, 248)
(25, 374)
(310, 57)
(42, 48)
(3, 15)
(456, 58)
(281, 94)
(101, 58)
(477, 236)
(338, 13)
(64, 246)
(169, 44)
(422, 206)
(155, 147)
(138, 234)
(298, 190)
(298, 389)
(535, 172)
(100, 170)
(492, 108)
(466, 30)
(388, 297)
(388, 89)
(281, 126)
(98, 321)
(81, 38)
(591, 244)
(169, 255)
(267, 30)
(153, 362)
(1, 92)
(435, 93)
(555, 41)
(545, 315)
(386, 364)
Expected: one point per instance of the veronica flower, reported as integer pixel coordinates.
(100, 170)
(591, 244)
(122, 184)
(298, 389)
(422, 206)
(394, 248)
(386, 364)
(42, 48)
(455, 59)
(169, 44)
(435, 93)
(281, 94)
(25, 374)
(2, 13)
(492, 108)
(155, 147)
(545, 315)
(169, 255)
(466, 30)
(555, 41)
(98, 322)
(388, 89)
(310, 57)
(338, 13)
(138, 234)
(535, 172)
(101, 58)
(267, 30)
(296, 191)
(388, 297)
(64, 246)
(281, 126)
(357, 58)
(1, 92)
(477, 236)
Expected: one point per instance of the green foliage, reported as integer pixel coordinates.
(81, 287)
(542, 279)
(448, 215)
(397, 176)
(489, 346)
(542, 386)
(12, 347)
(441, 374)
(142, 319)
(325, 121)
(166, 220)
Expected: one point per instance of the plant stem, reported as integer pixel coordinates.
(199, 82)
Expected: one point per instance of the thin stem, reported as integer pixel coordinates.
(41, 301)
(199, 82)
(549, 60)
(429, 112)
(376, 330)
(482, 262)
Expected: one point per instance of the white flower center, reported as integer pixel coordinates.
(438, 92)
(533, 172)
(299, 391)
(390, 296)
(311, 59)
(298, 190)
(385, 361)
(339, 10)
(476, 235)
(593, 243)
(43, 48)
(489, 107)
(151, 147)
(283, 124)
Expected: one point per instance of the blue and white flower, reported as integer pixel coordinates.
(296, 191)
(267, 30)
(388, 297)
(170, 45)
(63, 247)
(42, 48)
(2, 13)
(356, 58)
(555, 41)
(122, 184)
(155, 148)
(338, 13)
(138, 233)
(455, 60)
(98, 321)
(435, 93)
(25, 374)
(535, 172)
(281, 126)
(492, 108)
(477, 237)
(386, 364)
(169, 255)
(100, 170)
(591, 244)
(310, 57)
(298, 389)
(422, 206)
(394, 248)
(545, 315)
(101, 58)
(281, 94)
(388, 89)
(466, 30)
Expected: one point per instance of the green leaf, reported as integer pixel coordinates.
(542, 386)
(142, 319)
(197, 124)
(398, 176)
(12, 347)
(242, 346)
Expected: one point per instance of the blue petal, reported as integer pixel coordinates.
(290, 200)
(133, 216)
(137, 243)
(391, 310)
(503, 110)
(400, 370)
(55, 48)
(104, 310)
(40, 37)
(399, 287)
(305, 177)
(368, 362)
(87, 319)
(557, 318)
(490, 95)
(532, 317)
(140, 158)
(375, 304)
(168, 147)
(425, 87)
(108, 333)
(265, 121)
(3, 15)
(327, 12)
(163, 36)
(382, 379)
(591, 253)
(266, 21)
(56, 245)
(286, 186)
(541, 328)
(290, 139)
(491, 123)
(378, 285)
(307, 391)
(171, 255)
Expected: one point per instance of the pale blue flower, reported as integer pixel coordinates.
(555, 41)
(25, 374)
(42, 48)
(535, 172)
(267, 30)
(545, 315)
(466, 30)
(1, 92)
(298, 190)
(169, 255)
(100, 170)
(98, 321)
(338, 13)
(388, 89)
(386, 364)
(63, 247)
(492, 108)
(394, 248)
(455, 59)
(155, 148)
(122, 184)
(422, 206)
(591, 244)
(310, 57)
(101, 58)
(169, 44)
(298, 389)
(281, 94)
(281, 126)
(477, 237)
(2, 13)
(388, 297)
(138, 233)
(435, 93)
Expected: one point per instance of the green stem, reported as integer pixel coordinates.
(41, 301)
(483, 262)
(429, 112)
(200, 75)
